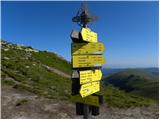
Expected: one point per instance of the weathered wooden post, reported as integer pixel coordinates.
(87, 60)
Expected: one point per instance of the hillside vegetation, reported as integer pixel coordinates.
(47, 74)
(137, 82)
(26, 68)
(118, 98)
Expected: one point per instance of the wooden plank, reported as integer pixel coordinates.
(89, 100)
(74, 34)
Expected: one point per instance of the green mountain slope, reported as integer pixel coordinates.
(47, 74)
(118, 98)
(26, 68)
(137, 82)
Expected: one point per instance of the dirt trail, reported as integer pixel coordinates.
(39, 107)
(56, 71)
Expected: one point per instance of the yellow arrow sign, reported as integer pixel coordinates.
(88, 35)
(87, 48)
(79, 61)
(89, 100)
(90, 76)
(89, 88)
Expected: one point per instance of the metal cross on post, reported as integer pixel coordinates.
(87, 60)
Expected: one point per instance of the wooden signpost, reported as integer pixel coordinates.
(87, 60)
(89, 100)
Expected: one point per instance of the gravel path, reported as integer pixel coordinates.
(56, 71)
(22, 104)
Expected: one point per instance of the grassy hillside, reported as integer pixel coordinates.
(137, 82)
(25, 68)
(53, 60)
(118, 98)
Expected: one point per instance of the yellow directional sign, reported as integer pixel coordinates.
(79, 61)
(90, 76)
(89, 100)
(89, 88)
(87, 48)
(88, 35)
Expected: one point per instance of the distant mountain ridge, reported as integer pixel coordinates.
(137, 81)
(152, 70)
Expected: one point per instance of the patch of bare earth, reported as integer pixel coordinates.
(23, 104)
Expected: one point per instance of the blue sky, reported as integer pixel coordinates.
(129, 30)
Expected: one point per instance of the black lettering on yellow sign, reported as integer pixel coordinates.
(88, 35)
(79, 61)
(87, 48)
